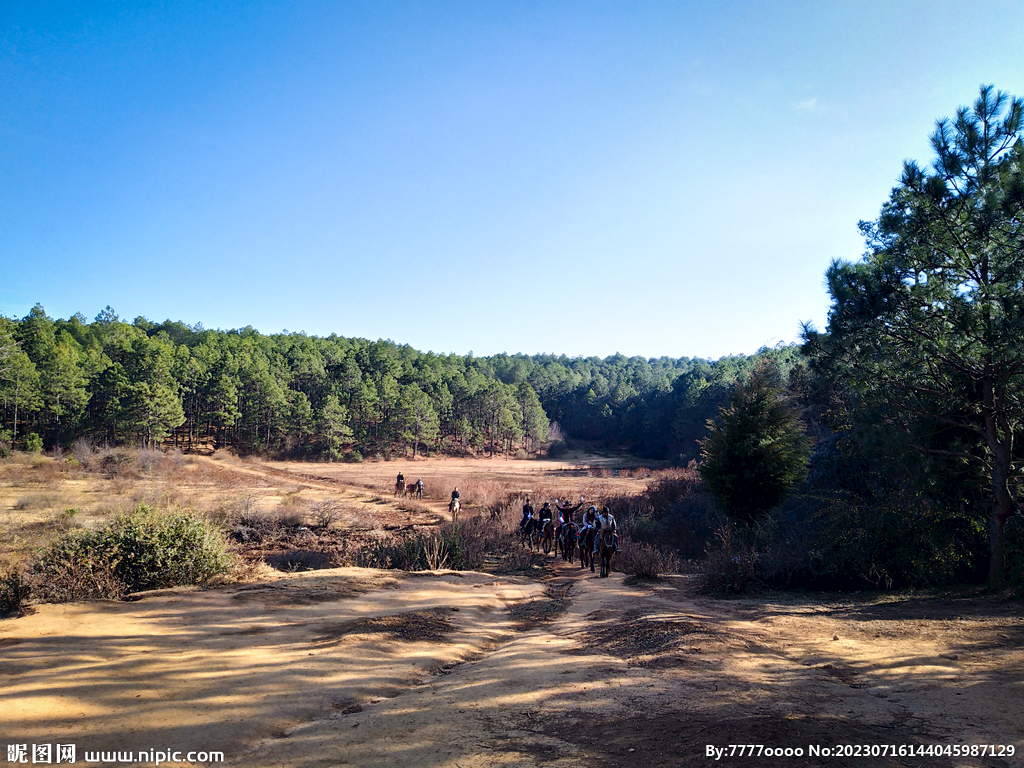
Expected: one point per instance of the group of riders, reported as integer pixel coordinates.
(414, 489)
(535, 522)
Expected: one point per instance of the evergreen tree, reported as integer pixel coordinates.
(928, 327)
(333, 421)
(757, 451)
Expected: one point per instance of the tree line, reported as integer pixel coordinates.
(145, 383)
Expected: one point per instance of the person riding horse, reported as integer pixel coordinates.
(565, 513)
(589, 521)
(400, 484)
(455, 504)
(607, 520)
(527, 513)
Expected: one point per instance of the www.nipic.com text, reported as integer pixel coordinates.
(66, 754)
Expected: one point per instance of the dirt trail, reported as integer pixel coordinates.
(354, 667)
(392, 511)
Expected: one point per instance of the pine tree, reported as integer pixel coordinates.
(758, 451)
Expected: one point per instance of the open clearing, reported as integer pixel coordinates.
(357, 667)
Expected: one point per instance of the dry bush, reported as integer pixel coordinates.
(248, 511)
(302, 560)
(120, 485)
(325, 512)
(289, 517)
(73, 580)
(14, 592)
(117, 463)
(644, 561)
(83, 450)
(67, 520)
(734, 567)
(33, 501)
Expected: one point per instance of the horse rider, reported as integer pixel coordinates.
(527, 514)
(589, 520)
(565, 513)
(545, 514)
(455, 496)
(400, 483)
(607, 520)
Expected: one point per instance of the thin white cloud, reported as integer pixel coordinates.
(810, 104)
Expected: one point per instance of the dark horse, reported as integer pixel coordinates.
(566, 541)
(547, 535)
(529, 533)
(587, 549)
(605, 549)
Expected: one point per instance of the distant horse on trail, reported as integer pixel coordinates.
(605, 549)
(454, 507)
(400, 488)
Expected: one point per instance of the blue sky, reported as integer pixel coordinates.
(579, 178)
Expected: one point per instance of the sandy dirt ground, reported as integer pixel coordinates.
(551, 667)
(353, 667)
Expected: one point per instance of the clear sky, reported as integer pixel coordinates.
(571, 177)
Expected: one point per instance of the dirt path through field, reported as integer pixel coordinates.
(354, 667)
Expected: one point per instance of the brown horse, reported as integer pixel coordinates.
(587, 549)
(400, 488)
(605, 549)
(566, 541)
(547, 536)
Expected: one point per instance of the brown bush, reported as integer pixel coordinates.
(644, 561)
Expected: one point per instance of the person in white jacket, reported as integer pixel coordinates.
(606, 520)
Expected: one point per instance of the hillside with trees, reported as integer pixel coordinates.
(169, 383)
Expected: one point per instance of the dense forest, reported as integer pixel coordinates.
(296, 395)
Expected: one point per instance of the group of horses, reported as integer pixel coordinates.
(566, 540)
(415, 490)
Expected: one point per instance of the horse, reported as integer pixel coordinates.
(400, 488)
(587, 549)
(605, 548)
(528, 537)
(547, 535)
(454, 508)
(566, 541)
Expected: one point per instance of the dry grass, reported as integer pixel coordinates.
(268, 504)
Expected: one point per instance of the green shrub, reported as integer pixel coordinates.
(137, 551)
(33, 443)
